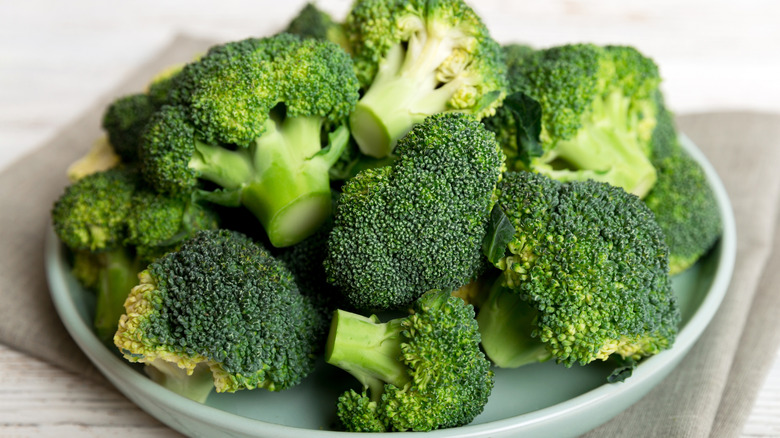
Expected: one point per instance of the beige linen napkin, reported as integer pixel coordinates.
(711, 392)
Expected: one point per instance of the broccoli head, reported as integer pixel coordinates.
(683, 201)
(115, 225)
(220, 304)
(416, 58)
(419, 223)
(247, 118)
(312, 22)
(591, 262)
(582, 111)
(421, 372)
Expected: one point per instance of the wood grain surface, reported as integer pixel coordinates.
(57, 57)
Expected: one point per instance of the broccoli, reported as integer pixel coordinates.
(247, 118)
(590, 262)
(220, 312)
(420, 372)
(311, 22)
(124, 122)
(125, 119)
(416, 58)
(419, 223)
(115, 225)
(582, 111)
(682, 200)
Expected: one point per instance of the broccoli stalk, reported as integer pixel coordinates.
(506, 323)
(118, 275)
(195, 384)
(431, 57)
(249, 117)
(367, 349)
(282, 179)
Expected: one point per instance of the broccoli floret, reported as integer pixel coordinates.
(115, 226)
(421, 372)
(247, 117)
(581, 111)
(312, 22)
(417, 58)
(221, 304)
(124, 122)
(684, 203)
(419, 223)
(590, 261)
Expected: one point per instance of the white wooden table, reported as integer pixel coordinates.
(57, 57)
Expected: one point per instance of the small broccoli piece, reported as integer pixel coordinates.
(220, 303)
(115, 226)
(581, 111)
(590, 261)
(419, 223)
(125, 119)
(90, 214)
(248, 118)
(417, 58)
(124, 122)
(684, 204)
(312, 22)
(421, 372)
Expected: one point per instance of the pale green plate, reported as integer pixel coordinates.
(534, 401)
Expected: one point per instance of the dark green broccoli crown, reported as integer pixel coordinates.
(230, 92)
(592, 260)
(376, 26)
(686, 209)
(90, 214)
(223, 299)
(124, 122)
(166, 150)
(419, 223)
(450, 378)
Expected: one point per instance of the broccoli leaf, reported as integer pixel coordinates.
(527, 113)
(500, 232)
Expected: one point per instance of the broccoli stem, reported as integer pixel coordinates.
(195, 386)
(367, 349)
(290, 191)
(118, 274)
(403, 92)
(607, 149)
(506, 324)
(230, 169)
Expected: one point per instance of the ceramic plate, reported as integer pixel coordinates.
(537, 400)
